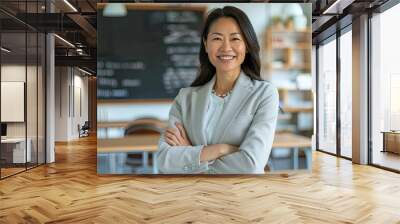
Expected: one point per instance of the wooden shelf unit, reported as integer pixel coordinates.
(288, 51)
(291, 48)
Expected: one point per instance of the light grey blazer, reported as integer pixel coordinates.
(248, 120)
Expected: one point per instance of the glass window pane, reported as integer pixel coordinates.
(327, 97)
(386, 89)
(346, 94)
(41, 98)
(31, 97)
(23, 87)
(14, 152)
(32, 86)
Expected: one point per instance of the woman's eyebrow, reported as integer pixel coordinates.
(220, 34)
(216, 33)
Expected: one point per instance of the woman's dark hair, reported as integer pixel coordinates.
(251, 63)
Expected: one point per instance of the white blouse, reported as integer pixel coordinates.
(214, 112)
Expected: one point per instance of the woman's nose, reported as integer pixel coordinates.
(226, 45)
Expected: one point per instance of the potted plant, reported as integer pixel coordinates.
(289, 23)
(276, 23)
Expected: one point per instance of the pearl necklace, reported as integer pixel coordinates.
(221, 95)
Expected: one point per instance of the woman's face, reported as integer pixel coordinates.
(225, 45)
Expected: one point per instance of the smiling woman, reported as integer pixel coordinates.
(225, 122)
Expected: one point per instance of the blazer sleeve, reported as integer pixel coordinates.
(179, 159)
(256, 147)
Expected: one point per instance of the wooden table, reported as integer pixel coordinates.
(124, 124)
(146, 143)
(149, 144)
(391, 141)
(15, 149)
(294, 143)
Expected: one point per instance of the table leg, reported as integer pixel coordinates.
(308, 153)
(145, 160)
(295, 158)
(112, 162)
(155, 166)
(384, 143)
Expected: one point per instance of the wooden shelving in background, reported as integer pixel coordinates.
(287, 55)
(280, 47)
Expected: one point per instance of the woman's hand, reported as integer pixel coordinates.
(227, 149)
(212, 152)
(177, 136)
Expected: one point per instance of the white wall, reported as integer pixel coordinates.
(70, 83)
(14, 73)
(33, 126)
(61, 103)
(79, 117)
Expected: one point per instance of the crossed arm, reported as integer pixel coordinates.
(178, 155)
(178, 137)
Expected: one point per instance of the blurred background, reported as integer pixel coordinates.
(147, 53)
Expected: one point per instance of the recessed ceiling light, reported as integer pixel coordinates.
(71, 6)
(65, 41)
(5, 50)
(337, 7)
(84, 71)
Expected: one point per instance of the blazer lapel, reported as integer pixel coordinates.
(200, 101)
(240, 93)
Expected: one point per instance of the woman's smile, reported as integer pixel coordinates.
(226, 58)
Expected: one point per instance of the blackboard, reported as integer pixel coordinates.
(149, 54)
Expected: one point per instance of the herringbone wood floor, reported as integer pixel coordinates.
(70, 191)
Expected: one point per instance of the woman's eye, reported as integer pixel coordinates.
(235, 39)
(217, 38)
